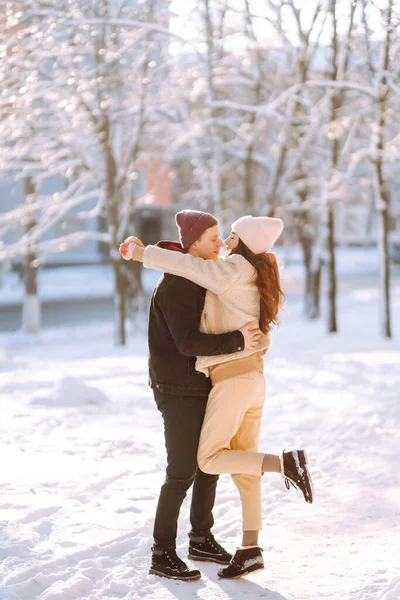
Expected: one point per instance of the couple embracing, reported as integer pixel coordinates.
(209, 327)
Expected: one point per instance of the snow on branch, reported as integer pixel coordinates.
(271, 108)
(129, 23)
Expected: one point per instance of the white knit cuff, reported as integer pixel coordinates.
(129, 252)
(282, 466)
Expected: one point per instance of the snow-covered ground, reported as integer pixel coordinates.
(82, 460)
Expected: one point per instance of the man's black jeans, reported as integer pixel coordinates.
(183, 418)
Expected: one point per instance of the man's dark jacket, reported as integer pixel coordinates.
(175, 338)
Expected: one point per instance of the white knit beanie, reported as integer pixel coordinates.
(258, 233)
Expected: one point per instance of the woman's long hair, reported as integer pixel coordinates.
(268, 283)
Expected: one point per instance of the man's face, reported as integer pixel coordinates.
(208, 246)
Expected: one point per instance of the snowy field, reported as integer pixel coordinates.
(82, 461)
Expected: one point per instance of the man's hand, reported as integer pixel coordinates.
(251, 334)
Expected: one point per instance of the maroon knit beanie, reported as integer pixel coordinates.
(192, 224)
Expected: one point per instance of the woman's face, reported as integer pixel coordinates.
(232, 241)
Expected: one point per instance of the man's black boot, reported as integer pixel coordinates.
(203, 546)
(166, 563)
(245, 561)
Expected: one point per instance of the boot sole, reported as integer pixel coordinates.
(160, 574)
(208, 559)
(304, 465)
(249, 570)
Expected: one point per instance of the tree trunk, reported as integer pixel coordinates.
(133, 290)
(248, 184)
(337, 103)
(383, 235)
(216, 150)
(119, 304)
(330, 224)
(384, 273)
(332, 324)
(31, 305)
(314, 304)
(382, 193)
(306, 246)
(330, 237)
(112, 198)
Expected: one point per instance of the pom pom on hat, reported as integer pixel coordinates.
(258, 233)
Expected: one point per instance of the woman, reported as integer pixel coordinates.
(243, 286)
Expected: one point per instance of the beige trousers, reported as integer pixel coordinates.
(229, 439)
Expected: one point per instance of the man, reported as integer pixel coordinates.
(181, 394)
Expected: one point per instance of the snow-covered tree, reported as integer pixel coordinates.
(383, 75)
(269, 108)
(91, 66)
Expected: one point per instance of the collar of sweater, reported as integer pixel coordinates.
(175, 246)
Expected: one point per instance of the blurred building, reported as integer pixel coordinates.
(152, 216)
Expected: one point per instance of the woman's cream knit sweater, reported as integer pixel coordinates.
(232, 297)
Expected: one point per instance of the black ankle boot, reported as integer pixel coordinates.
(245, 561)
(296, 473)
(166, 563)
(205, 547)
